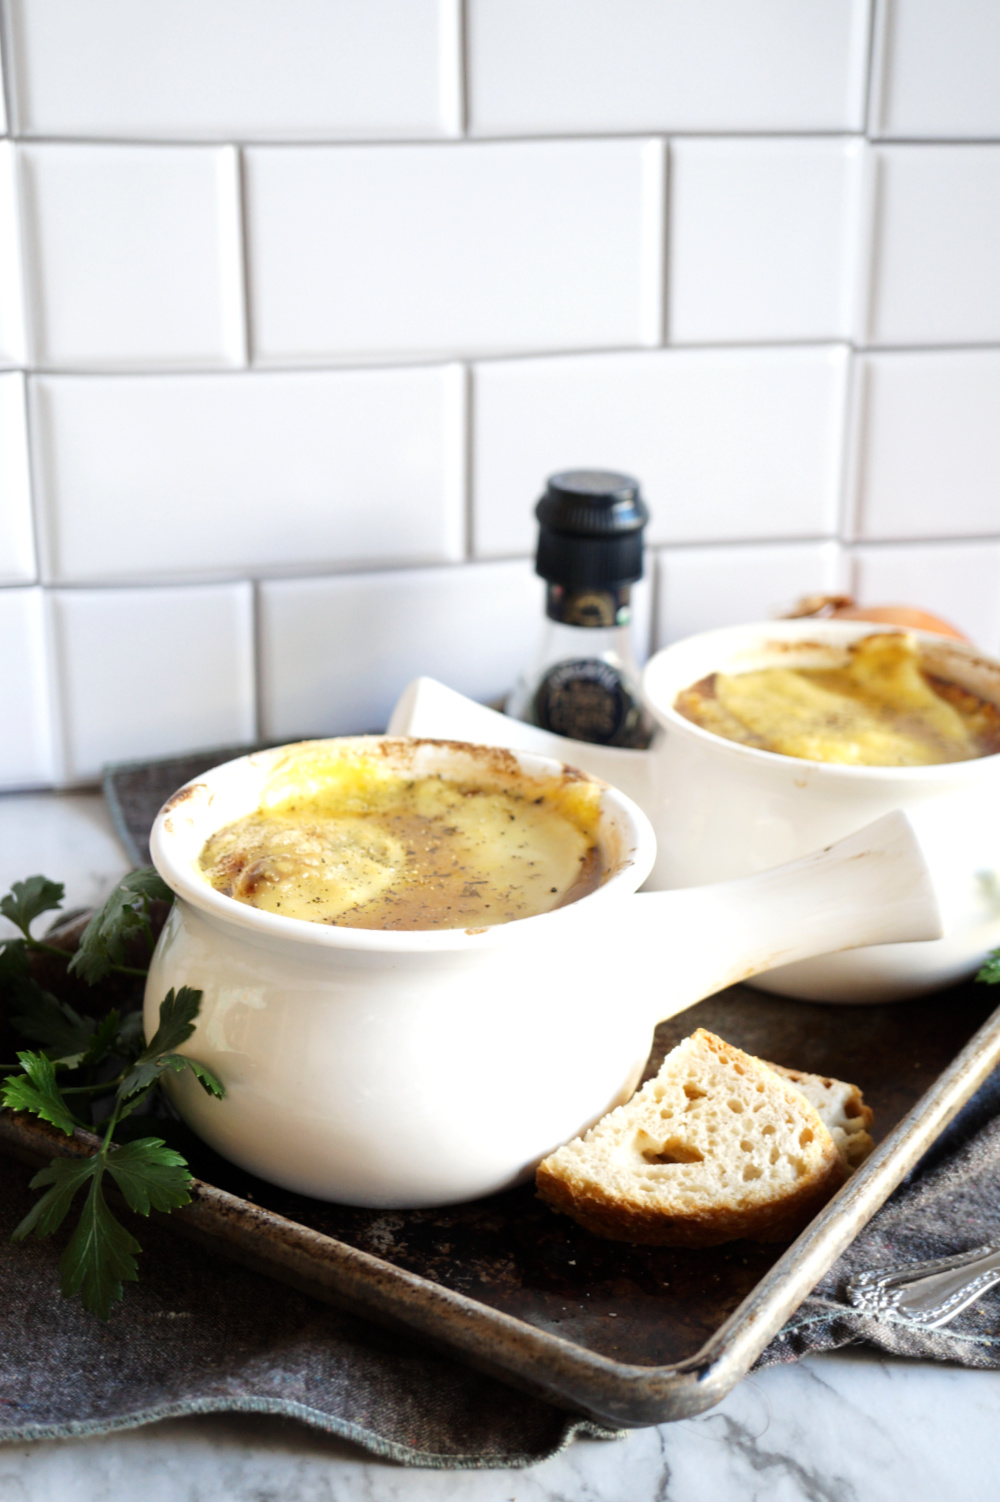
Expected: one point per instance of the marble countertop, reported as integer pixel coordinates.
(846, 1427)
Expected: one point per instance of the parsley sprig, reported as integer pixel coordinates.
(92, 1073)
(990, 973)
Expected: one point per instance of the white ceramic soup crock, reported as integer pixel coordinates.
(423, 1068)
(722, 810)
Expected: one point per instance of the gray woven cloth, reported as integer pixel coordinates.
(200, 1335)
(950, 1203)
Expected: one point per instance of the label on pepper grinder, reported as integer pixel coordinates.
(588, 700)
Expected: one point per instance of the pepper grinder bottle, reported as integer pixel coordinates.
(584, 681)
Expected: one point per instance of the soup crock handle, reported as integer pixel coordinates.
(871, 888)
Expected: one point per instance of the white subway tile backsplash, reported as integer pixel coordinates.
(936, 267)
(427, 250)
(172, 476)
(26, 749)
(763, 239)
(134, 256)
(17, 546)
(243, 247)
(235, 69)
(702, 588)
(728, 443)
(928, 458)
(149, 672)
(12, 347)
(938, 76)
(337, 653)
(959, 581)
(568, 66)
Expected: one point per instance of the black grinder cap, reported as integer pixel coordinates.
(590, 530)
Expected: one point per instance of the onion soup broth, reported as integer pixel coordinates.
(357, 842)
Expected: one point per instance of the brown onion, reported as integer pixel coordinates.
(843, 608)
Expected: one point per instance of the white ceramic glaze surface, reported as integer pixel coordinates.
(722, 810)
(427, 1067)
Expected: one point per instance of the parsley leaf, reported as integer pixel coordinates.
(34, 1013)
(104, 944)
(130, 1038)
(126, 1107)
(100, 1256)
(150, 1175)
(990, 973)
(65, 1175)
(57, 1026)
(15, 971)
(208, 1081)
(27, 900)
(36, 1090)
(177, 1013)
(178, 1062)
(103, 1038)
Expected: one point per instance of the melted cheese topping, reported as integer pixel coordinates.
(880, 709)
(369, 849)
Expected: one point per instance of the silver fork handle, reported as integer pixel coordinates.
(928, 1294)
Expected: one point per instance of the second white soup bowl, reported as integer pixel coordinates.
(723, 810)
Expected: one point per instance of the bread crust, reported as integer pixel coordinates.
(616, 1220)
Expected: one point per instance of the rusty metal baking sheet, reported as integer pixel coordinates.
(629, 1335)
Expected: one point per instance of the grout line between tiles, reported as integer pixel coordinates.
(7, 69)
(259, 578)
(935, 540)
(57, 689)
(256, 646)
(878, 46)
(582, 137)
(244, 244)
(855, 439)
(666, 231)
(459, 24)
(9, 48)
(966, 346)
(866, 231)
(845, 496)
(468, 462)
(216, 578)
(888, 140)
(376, 364)
(41, 519)
(36, 539)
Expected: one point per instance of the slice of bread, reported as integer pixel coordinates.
(841, 1109)
(717, 1146)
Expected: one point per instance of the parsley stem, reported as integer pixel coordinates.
(112, 1123)
(107, 1086)
(39, 946)
(43, 948)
